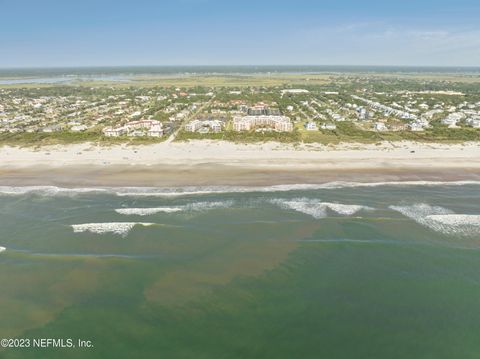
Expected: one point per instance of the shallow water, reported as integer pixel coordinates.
(334, 270)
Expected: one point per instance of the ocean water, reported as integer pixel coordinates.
(337, 270)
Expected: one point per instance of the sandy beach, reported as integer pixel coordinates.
(216, 162)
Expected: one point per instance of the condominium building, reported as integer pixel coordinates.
(247, 123)
(114, 131)
(208, 125)
(193, 126)
(151, 128)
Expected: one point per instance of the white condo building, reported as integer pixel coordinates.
(195, 125)
(278, 123)
(153, 128)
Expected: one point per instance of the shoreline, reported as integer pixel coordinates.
(224, 163)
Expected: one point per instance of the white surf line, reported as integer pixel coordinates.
(200, 190)
(440, 219)
(147, 211)
(121, 228)
(193, 191)
(318, 209)
(194, 207)
(48, 190)
(457, 219)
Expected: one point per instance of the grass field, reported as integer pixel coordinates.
(254, 80)
(197, 80)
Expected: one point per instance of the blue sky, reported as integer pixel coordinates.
(211, 32)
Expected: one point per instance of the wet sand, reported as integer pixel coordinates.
(205, 175)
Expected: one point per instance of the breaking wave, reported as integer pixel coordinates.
(2, 249)
(318, 209)
(121, 228)
(192, 191)
(205, 190)
(147, 211)
(195, 207)
(203, 206)
(419, 211)
(464, 224)
(457, 219)
(441, 219)
(48, 190)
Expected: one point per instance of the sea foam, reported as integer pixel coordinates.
(457, 219)
(420, 212)
(346, 209)
(206, 190)
(463, 224)
(48, 190)
(317, 209)
(2, 249)
(121, 228)
(441, 219)
(147, 211)
(193, 207)
(203, 206)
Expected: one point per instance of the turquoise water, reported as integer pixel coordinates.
(339, 270)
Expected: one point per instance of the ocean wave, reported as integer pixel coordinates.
(48, 190)
(2, 249)
(206, 190)
(346, 209)
(441, 219)
(317, 209)
(457, 219)
(147, 211)
(193, 207)
(464, 224)
(160, 192)
(341, 184)
(419, 211)
(203, 206)
(121, 228)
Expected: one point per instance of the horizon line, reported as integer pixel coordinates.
(230, 65)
